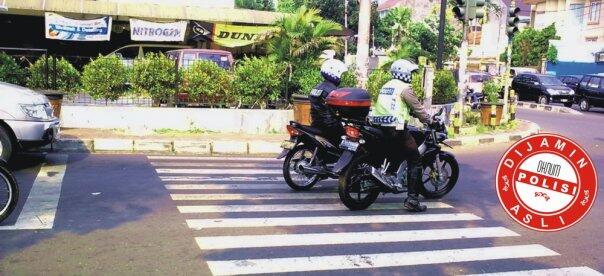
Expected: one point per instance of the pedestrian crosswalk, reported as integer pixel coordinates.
(246, 220)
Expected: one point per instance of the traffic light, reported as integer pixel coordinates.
(513, 21)
(460, 9)
(479, 9)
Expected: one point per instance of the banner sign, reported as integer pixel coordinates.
(229, 35)
(63, 28)
(141, 30)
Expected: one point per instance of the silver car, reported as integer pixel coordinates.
(26, 120)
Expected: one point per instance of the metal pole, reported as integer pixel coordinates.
(463, 64)
(346, 28)
(363, 41)
(506, 76)
(441, 34)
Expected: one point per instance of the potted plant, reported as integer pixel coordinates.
(491, 110)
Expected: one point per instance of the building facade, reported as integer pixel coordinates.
(576, 20)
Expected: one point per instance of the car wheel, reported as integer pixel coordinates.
(584, 105)
(6, 145)
(543, 100)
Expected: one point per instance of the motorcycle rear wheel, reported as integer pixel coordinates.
(450, 169)
(294, 178)
(350, 185)
(9, 193)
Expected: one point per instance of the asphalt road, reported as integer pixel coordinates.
(133, 214)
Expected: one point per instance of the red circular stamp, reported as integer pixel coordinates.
(546, 182)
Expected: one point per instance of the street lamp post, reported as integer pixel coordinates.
(441, 35)
(363, 41)
(346, 27)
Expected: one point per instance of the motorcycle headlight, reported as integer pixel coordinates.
(36, 111)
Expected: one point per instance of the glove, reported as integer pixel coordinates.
(434, 124)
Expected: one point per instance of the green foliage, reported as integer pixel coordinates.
(257, 81)
(552, 54)
(305, 77)
(67, 77)
(445, 87)
(471, 118)
(260, 5)
(349, 79)
(10, 71)
(417, 81)
(393, 27)
(289, 6)
(207, 82)
(491, 91)
(376, 80)
(155, 75)
(530, 46)
(105, 78)
(425, 34)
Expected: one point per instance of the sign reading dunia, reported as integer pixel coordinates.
(141, 30)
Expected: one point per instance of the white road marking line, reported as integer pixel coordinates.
(256, 241)
(219, 171)
(563, 271)
(41, 205)
(295, 207)
(322, 263)
(201, 158)
(199, 224)
(217, 165)
(229, 186)
(264, 196)
(222, 179)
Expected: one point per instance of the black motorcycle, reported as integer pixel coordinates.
(309, 157)
(368, 165)
(9, 192)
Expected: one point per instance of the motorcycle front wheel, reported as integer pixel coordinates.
(292, 173)
(434, 186)
(357, 188)
(9, 193)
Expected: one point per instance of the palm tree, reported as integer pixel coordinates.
(401, 17)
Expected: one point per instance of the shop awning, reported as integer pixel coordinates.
(124, 11)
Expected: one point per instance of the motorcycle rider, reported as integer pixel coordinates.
(395, 104)
(323, 117)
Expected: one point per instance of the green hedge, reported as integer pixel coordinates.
(258, 81)
(105, 78)
(66, 76)
(10, 71)
(207, 82)
(376, 80)
(445, 87)
(155, 75)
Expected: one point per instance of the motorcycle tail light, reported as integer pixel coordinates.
(292, 131)
(352, 132)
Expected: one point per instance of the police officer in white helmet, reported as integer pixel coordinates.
(396, 103)
(323, 117)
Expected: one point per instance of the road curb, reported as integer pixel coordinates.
(228, 147)
(478, 140)
(548, 108)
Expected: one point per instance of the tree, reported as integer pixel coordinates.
(530, 46)
(60, 74)
(10, 71)
(207, 82)
(260, 5)
(257, 81)
(155, 75)
(391, 29)
(105, 78)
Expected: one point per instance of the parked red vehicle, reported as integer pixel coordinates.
(185, 57)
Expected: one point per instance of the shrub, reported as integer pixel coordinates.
(207, 82)
(67, 77)
(471, 118)
(445, 87)
(376, 80)
(305, 77)
(258, 81)
(154, 75)
(349, 79)
(491, 91)
(416, 83)
(105, 78)
(10, 71)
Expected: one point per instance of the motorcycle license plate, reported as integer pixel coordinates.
(288, 145)
(349, 145)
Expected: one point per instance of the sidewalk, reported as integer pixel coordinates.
(115, 141)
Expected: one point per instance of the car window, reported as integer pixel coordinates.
(594, 83)
(188, 59)
(545, 80)
(602, 85)
(584, 81)
(221, 60)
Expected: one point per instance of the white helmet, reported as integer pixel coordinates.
(402, 70)
(332, 70)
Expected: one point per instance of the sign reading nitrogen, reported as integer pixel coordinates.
(63, 28)
(141, 30)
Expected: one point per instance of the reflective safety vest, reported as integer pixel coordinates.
(390, 108)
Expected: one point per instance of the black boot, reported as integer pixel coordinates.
(414, 179)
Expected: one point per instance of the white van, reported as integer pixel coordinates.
(26, 120)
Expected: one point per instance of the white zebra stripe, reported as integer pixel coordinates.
(263, 196)
(222, 179)
(201, 158)
(247, 186)
(219, 171)
(257, 241)
(295, 207)
(322, 263)
(217, 165)
(199, 224)
(563, 271)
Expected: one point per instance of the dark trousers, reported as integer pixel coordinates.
(403, 143)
